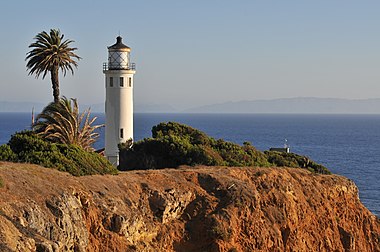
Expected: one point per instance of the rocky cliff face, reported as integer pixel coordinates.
(189, 209)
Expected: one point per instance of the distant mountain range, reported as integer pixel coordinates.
(6, 106)
(300, 105)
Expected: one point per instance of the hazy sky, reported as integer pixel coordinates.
(197, 52)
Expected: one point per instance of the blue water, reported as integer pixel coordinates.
(348, 145)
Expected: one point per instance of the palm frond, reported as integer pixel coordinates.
(61, 122)
(49, 52)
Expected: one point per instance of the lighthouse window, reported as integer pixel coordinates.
(121, 82)
(111, 81)
(129, 82)
(121, 133)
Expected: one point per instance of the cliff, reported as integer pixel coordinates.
(188, 209)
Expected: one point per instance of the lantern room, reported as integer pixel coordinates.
(118, 57)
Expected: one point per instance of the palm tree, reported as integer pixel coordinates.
(62, 123)
(49, 54)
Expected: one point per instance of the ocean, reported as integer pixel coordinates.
(349, 145)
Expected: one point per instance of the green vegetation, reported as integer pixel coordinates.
(28, 147)
(174, 144)
(1, 183)
(6, 153)
(293, 160)
(62, 123)
(62, 137)
(49, 54)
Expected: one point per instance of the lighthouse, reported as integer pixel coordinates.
(119, 72)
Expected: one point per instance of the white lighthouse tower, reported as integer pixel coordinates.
(119, 73)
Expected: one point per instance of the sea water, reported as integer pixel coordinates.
(348, 145)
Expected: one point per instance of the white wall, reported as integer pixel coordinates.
(119, 110)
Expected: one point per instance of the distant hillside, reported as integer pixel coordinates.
(138, 108)
(300, 105)
(6, 106)
(153, 108)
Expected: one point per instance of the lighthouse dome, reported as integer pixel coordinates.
(118, 55)
(119, 45)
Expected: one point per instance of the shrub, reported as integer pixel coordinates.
(282, 159)
(183, 131)
(236, 155)
(30, 148)
(169, 151)
(174, 144)
(6, 154)
(1, 182)
(85, 163)
(295, 160)
(205, 155)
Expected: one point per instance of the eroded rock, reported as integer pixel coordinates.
(189, 209)
(170, 204)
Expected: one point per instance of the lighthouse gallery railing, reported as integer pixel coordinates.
(130, 66)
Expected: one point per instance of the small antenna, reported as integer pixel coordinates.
(119, 33)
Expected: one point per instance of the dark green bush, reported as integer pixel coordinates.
(173, 144)
(85, 163)
(30, 148)
(295, 160)
(1, 182)
(183, 131)
(236, 155)
(6, 154)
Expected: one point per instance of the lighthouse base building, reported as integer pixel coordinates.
(119, 74)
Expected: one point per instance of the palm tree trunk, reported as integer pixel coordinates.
(55, 83)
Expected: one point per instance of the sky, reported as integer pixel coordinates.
(199, 52)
